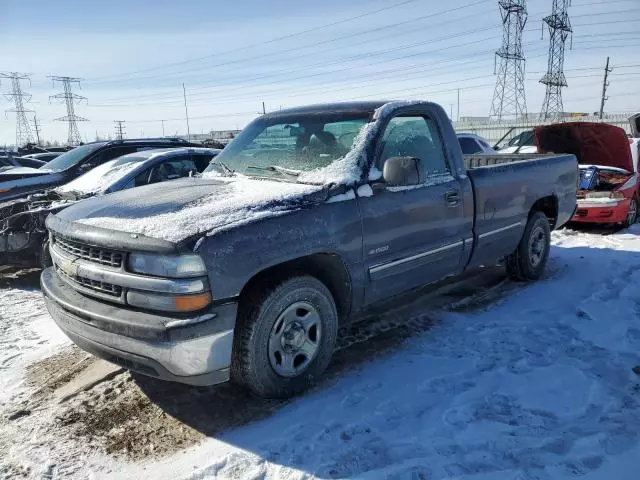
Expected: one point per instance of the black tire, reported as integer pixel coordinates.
(260, 318)
(528, 261)
(632, 215)
(45, 256)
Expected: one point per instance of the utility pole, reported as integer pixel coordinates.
(70, 99)
(162, 128)
(264, 109)
(36, 127)
(605, 84)
(458, 112)
(120, 127)
(509, 99)
(186, 111)
(559, 30)
(451, 111)
(19, 98)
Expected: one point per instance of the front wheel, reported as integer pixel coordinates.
(285, 337)
(528, 261)
(632, 214)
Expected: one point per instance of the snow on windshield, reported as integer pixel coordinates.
(102, 177)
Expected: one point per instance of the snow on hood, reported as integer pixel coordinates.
(179, 209)
(100, 178)
(348, 169)
(24, 171)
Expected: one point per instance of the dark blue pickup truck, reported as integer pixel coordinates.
(308, 218)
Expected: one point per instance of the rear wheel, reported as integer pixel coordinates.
(632, 214)
(285, 337)
(528, 261)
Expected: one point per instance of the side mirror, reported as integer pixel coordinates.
(85, 167)
(403, 171)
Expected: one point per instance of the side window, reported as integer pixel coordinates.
(469, 145)
(106, 155)
(202, 161)
(172, 169)
(142, 178)
(414, 137)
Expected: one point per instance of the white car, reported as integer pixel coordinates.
(471, 144)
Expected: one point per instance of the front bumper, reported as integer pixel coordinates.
(195, 351)
(614, 211)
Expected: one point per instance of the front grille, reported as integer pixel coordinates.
(101, 287)
(103, 256)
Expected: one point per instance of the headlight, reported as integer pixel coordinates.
(170, 266)
(169, 303)
(617, 195)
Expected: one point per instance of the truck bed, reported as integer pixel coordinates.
(505, 187)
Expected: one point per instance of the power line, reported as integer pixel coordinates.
(70, 99)
(509, 97)
(19, 98)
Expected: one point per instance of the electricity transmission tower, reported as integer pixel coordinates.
(70, 99)
(119, 129)
(559, 30)
(509, 96)
(19, 98)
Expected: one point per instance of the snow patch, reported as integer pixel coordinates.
(343, 197)
(100, 178)
(365, 191)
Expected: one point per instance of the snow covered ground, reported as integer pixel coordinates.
(537, 384)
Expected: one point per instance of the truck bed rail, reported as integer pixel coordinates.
(475, 161)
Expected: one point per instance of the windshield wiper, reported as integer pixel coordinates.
(275, 168)
(226, 168)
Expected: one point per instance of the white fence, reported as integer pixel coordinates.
(494, 131)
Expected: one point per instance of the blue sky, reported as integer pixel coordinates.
(134, 57)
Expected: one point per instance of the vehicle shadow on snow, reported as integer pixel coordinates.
(214, 411)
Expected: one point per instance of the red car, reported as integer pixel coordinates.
(608, 162)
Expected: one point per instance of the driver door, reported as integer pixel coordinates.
(413, 235)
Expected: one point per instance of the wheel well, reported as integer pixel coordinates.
(548, 206)
(326, 267)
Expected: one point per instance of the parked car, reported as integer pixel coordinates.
(14, 161)
(23, 236)
(19, 182)
(247, 272)
(609, 186)
(471, 144)
(43, 157)
(523, 142)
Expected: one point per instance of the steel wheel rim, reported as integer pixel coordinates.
(294, 340)
(537, 244)
(633, 208)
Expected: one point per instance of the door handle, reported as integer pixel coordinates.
(452, 198)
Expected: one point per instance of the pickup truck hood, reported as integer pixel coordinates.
(180, 209)
(591, 143)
